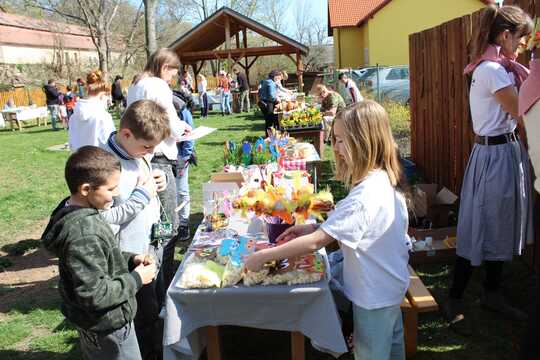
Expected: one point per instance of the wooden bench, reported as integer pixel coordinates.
(418, 300)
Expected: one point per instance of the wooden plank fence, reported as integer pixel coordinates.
(441, 128)
(442, 133)
(23, 96)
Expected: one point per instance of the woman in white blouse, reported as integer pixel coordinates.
(153, 84)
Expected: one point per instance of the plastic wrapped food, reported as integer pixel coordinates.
(222, 259)
(304, 270)
(199, 275)
(303, 277)
(252, 278)
(232, 274)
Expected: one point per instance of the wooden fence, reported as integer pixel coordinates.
(23, 96)
(442, 135)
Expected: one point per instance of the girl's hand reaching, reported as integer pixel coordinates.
(296, 231)
(255, 261)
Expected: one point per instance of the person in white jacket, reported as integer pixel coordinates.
(91, 123)
(153, 84)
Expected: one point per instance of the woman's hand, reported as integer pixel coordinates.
(255, 261)
(296, 231)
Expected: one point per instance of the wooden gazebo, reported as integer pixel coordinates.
(200, 43)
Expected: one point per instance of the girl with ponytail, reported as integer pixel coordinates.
(91, 123)
(495, 210)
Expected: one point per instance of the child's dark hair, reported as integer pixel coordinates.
(91, 165)
(341, 76)
(147, 120)
(494, 21)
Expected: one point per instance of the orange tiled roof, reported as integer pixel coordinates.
(353, 12)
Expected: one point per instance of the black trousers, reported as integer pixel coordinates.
(531, 338)
(270, 119)
(463, 272)
(204, 105)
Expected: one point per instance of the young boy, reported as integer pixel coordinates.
(144, 125)
(97, 288)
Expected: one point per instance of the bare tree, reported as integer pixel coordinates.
(150, 8)
(275, 13)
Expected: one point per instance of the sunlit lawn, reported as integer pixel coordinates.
(31, 184)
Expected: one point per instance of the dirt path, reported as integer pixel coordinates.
(31, 275)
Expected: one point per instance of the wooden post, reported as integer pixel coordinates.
(213, 348)
(194, 67)
(299, 71)
(298, 351)
(228, 41)
(237, 40)
(244, 40)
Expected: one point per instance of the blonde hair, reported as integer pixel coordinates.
(95, 83)
(201, 77)
(368, 143)
(147, 120)
(155, 63)
(494, 21)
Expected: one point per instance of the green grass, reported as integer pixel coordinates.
(31, 179)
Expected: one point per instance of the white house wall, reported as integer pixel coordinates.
(12, 54)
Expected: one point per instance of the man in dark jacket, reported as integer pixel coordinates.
(52, 98)
(117, 95)
(243, 86)
(97, 288)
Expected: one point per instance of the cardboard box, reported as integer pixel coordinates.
(443, 249)
(228, 177)
(433, 203)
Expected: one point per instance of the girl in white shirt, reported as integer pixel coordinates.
(370, 225)
(91, 123)
(153, 84)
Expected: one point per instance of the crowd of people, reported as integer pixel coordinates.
(115, 234)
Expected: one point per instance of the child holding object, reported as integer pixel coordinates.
(371, 226)
(143, 126)
(98, 282)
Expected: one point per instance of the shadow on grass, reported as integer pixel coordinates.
(248, 127)
(493, 336)
(21, 247)
(73, 354)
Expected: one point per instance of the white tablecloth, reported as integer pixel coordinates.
(27, 113)
(308, 308)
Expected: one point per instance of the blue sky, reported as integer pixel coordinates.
(317, 8)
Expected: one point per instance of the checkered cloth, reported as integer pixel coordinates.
(291, 164)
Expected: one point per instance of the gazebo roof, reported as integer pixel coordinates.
(200, 42)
